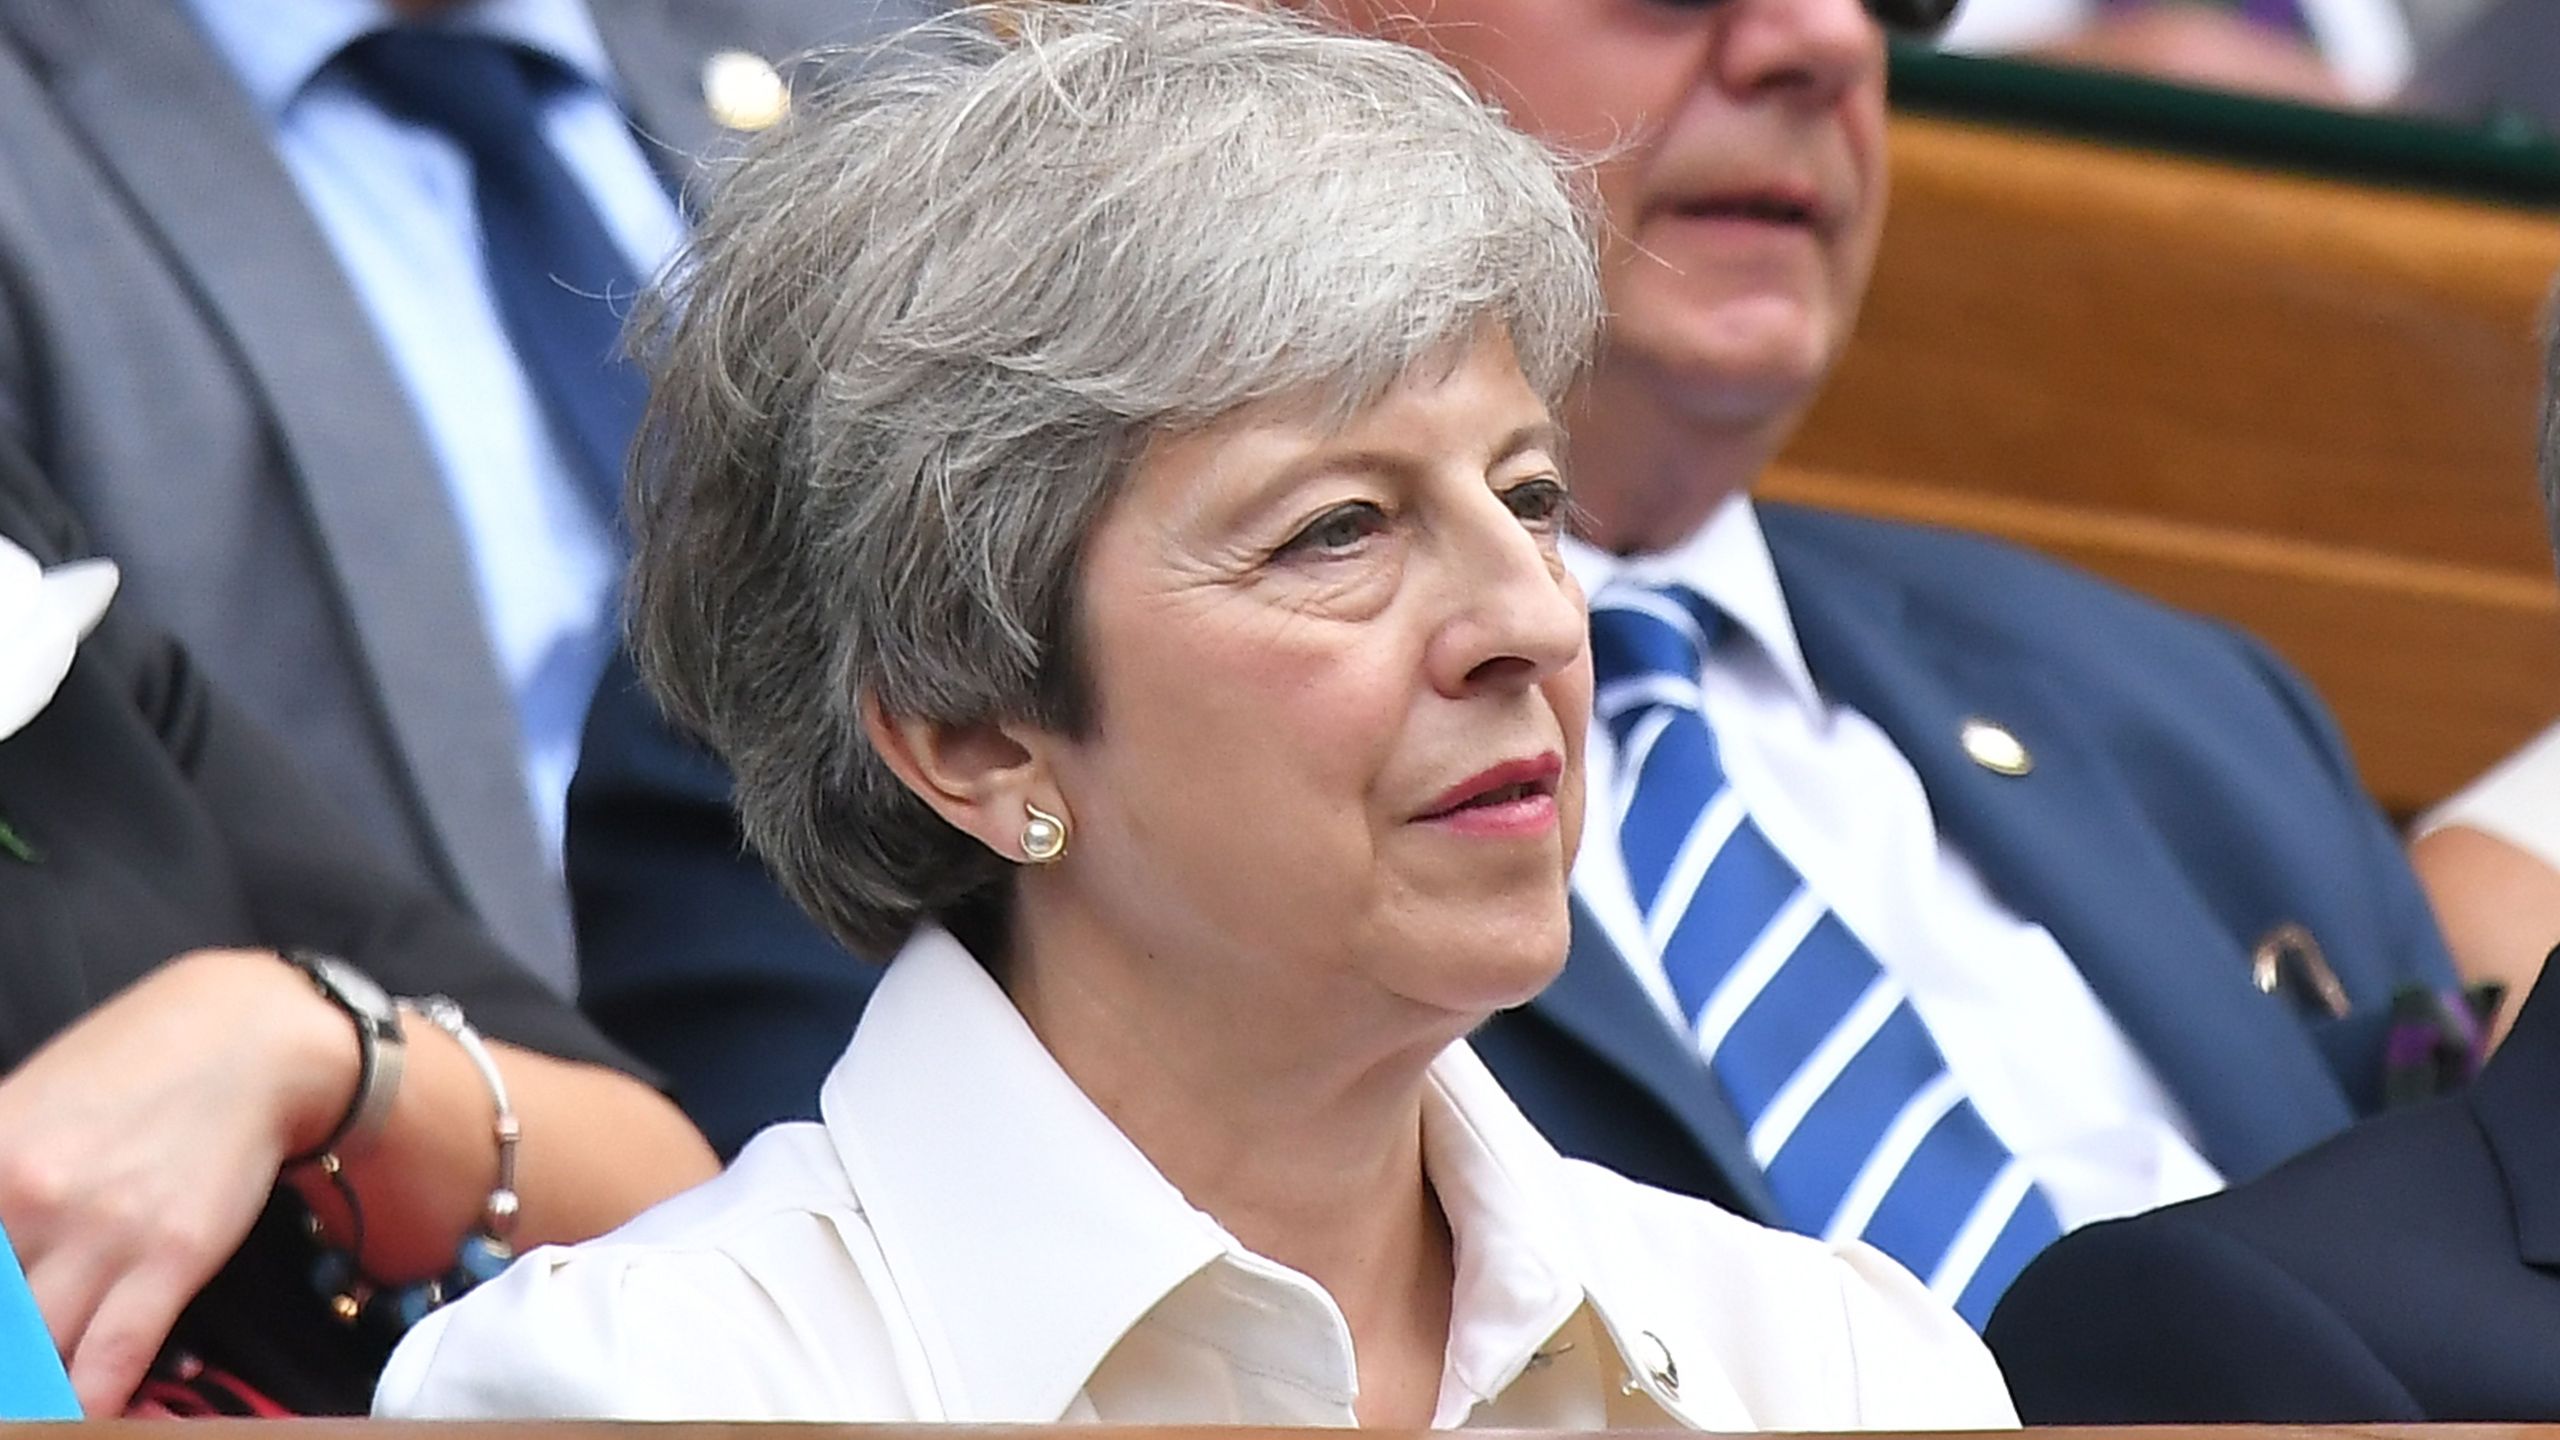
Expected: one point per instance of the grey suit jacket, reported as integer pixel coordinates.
(181, 354)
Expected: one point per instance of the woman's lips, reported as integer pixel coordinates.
(1516, 797)
(1530, 814)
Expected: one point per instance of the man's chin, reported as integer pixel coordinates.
(1738, 366)
(1733, 397)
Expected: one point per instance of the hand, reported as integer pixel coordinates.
(138, 1146)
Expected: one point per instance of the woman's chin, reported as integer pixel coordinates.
(1497, 963)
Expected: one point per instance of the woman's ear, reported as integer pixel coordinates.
(981, 778)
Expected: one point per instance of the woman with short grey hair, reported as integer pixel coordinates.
(1101, 499)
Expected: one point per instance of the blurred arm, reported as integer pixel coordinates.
(2490, 860)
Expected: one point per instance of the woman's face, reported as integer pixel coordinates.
(1340, 684)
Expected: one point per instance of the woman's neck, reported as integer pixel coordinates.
(1305, 1145)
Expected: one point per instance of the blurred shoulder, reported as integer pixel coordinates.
(2171, 1317)
(1979, 603)
(757, 1296)
(1958, 571)
(2273, 1301)
(1811, 1335)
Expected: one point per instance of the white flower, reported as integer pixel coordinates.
(44, 614)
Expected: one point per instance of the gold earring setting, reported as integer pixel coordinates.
(1044, 836)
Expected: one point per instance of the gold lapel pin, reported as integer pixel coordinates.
(743, 91)
(1992, 747)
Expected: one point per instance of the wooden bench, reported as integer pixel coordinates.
(2307, 405)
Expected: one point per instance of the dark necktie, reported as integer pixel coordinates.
(561, 284)
(1851, 1110)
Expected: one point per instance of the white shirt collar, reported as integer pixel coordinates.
(277, 46)
(1028, 1235)
(44, 615)
(973, 1155)
(1727, 561)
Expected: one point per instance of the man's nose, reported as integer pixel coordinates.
(1809, 50)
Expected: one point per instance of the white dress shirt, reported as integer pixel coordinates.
(2050, 1071)
(966, 1237)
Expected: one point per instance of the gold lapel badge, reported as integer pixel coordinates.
(2290, 954)
(743, 91)
(1991, 746)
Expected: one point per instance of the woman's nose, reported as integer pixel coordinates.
(1515, 616)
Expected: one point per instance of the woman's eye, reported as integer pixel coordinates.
(1538, 502)
(1337, 530)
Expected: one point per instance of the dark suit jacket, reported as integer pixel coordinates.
(2407, 1270)
(184, 360)
(164, 822)
(2188, 797)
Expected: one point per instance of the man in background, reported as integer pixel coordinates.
(312, 315)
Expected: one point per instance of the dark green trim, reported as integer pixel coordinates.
(2506, 165)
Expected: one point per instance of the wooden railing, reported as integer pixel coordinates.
(2306, 405)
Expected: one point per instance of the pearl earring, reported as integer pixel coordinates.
(1044, 836)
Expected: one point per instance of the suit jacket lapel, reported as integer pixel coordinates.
(659, 49)
(1601, 1004)
(194, 157)
(658, 67)
(2068, 847)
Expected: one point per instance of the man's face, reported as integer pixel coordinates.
(1742, 172)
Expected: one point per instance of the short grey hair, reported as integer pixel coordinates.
(929, 322)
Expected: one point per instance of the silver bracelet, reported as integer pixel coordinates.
(498, 1216)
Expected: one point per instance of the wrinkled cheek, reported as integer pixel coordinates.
(1569, 826)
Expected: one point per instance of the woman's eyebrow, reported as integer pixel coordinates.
(1541, 434)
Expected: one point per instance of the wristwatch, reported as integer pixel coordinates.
(381, 1049)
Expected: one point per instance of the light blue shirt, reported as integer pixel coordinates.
(395, 201)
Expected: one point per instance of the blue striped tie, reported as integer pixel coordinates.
(1850, 1108)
